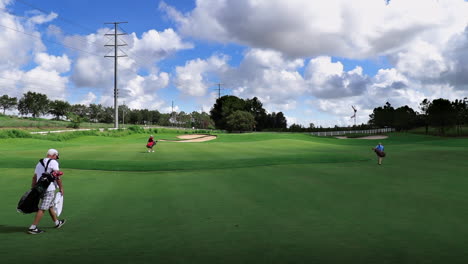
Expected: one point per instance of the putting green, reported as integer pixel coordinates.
(243, 198)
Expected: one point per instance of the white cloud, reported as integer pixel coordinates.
(327, 79)
(88, 99)
(270, 76)
(53, 63)
(193, 78)
(5, 3)
(41, 18)
(168, 109)
(17, 48)
(353, 29)
(154, 46)
(137, 90)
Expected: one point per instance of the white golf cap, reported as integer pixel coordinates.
(52, 152)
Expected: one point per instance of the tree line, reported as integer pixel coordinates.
(37, 104)
(439, 113)
(236, 114)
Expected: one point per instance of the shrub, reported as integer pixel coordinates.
(14, 133)
(136, 129)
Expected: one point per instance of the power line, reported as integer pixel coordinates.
(78, 37)
(59, 18)
(51, 41)
(68, 21)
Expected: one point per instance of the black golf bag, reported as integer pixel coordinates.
(29, 202)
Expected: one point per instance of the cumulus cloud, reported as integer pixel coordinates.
(193, 78)
(88, 99)
(17, 48)
(270, 76)
(274, 78)
(353, 29)
(48, 62)
(136, 89)
(457, 56)
(42, 18)
(425, 41)
(266, 74)
(327, 79)
(37, 80)
(4, 3)
(154, 46)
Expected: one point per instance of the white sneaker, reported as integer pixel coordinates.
(152, 151)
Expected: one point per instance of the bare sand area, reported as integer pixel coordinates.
(192, 138)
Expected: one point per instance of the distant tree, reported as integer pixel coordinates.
(404, 118)
(33, 103)
(146, 116)
(240, 121)
(80, 110)
(184, 119)
(164, 119)
(75, 120)
(281, 121)
(383, 116)
(424, 105)
(202, 120)
(7, 102)
(459, 106)
(441, 114)
(465, 111)
(155, 116)
(58, 108)
(296, 128)
(95, 112)
(224, 107)
(107, 115)
(255, 107)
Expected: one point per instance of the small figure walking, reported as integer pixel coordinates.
(379, 151)
(151, 143)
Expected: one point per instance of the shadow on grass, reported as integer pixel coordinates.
(12, 229)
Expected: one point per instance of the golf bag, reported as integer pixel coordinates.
(29, 202)
(150, 144)
(380, 153)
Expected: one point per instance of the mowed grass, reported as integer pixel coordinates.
(40, 124)
(244, 198)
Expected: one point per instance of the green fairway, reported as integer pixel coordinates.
(243, 198)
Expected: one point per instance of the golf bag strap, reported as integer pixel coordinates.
(46, 165)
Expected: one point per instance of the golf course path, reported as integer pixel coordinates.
(368, 137)
(192, 138)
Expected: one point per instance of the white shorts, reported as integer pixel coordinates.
(47, 200)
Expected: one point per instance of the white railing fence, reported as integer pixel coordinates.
(342, 133)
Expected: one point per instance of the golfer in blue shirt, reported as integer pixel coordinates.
(379, 151)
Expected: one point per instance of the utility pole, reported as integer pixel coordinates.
(123, 115)
(219, 89)
(115, 56)
(172, 114)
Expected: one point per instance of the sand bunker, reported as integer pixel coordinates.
(192, 138)
(368, 137)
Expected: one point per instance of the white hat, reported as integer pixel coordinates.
(52, 152)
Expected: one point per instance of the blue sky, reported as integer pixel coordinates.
(310, 59)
